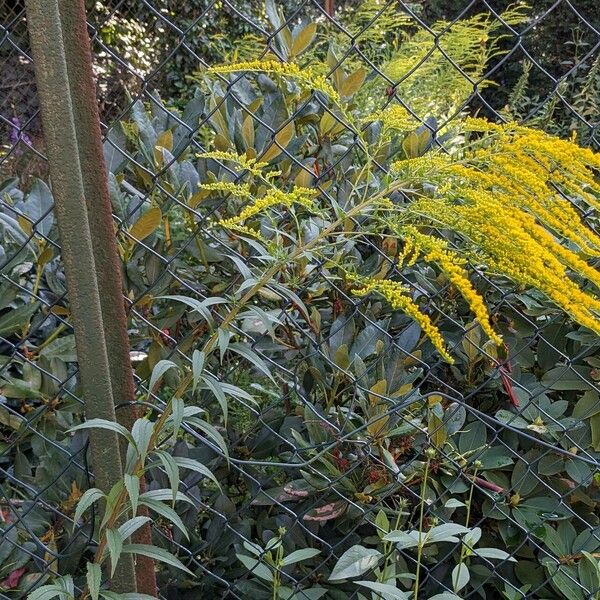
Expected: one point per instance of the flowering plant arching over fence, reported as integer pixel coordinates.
(363, 315)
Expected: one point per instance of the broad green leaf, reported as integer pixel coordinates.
(93, 579)
(354, 562)
(300, 555)
(494, 553)
(460, 576)
(46, 592)
(256, 567)
(87, 499)
(384, 590)
(17, 318)
(156, 553)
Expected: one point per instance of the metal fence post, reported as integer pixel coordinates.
(60, 130)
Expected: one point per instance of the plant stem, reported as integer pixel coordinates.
(421, 541)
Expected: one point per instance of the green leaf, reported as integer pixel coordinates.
(252, 357)
(177, 413)
(494, 553)
(354, 562)
(194, 465)
(87, 499)
(132, 485)
(160, 368)
(460, 576)
(156, 553)
(300, 555)
(93, 578)
(171, 469)
(216, 388)
(165, 511)
(256, 567)
(211, 433)
(197, 366)
(17, 318)
(132, 525)
(200, 306)
(104, 424)
(114, 541)
(46, 592)
(384, 590)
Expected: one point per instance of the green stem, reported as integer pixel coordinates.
(421, 516)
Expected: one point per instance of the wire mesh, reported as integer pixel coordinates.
(494, 460)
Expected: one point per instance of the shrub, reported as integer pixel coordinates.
(371, 348)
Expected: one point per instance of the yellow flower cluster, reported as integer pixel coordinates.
(239, 190)
(307, 77)
(273, 197)
(250, 164)
(395, 118)
(437, 251)
(504, 197)
(396, 295)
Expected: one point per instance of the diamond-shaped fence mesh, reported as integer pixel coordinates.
(349, 459)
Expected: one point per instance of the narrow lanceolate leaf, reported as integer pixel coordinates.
(132, 485)
(172, 471)
(146, 224)
(132, 525)
(197, 366)
(157, 554)
(104, 424)
(210, 432)
(252, 357)
(46, 592)
(167, 512)
(87, 499)
(161, 367)
(93, 579)
(114, 541)
(177, 411)
(200, 306)
(194, 465)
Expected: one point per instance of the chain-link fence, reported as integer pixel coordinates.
(345, 457)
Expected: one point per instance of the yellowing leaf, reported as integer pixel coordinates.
(248, 131)
(146, 224)
(436, 430)
(165, 140)
(377, 426)
(282, 139)
(353, 82)
(303, 39)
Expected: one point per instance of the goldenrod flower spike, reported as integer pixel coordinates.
(307, 77)
(396, 295)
